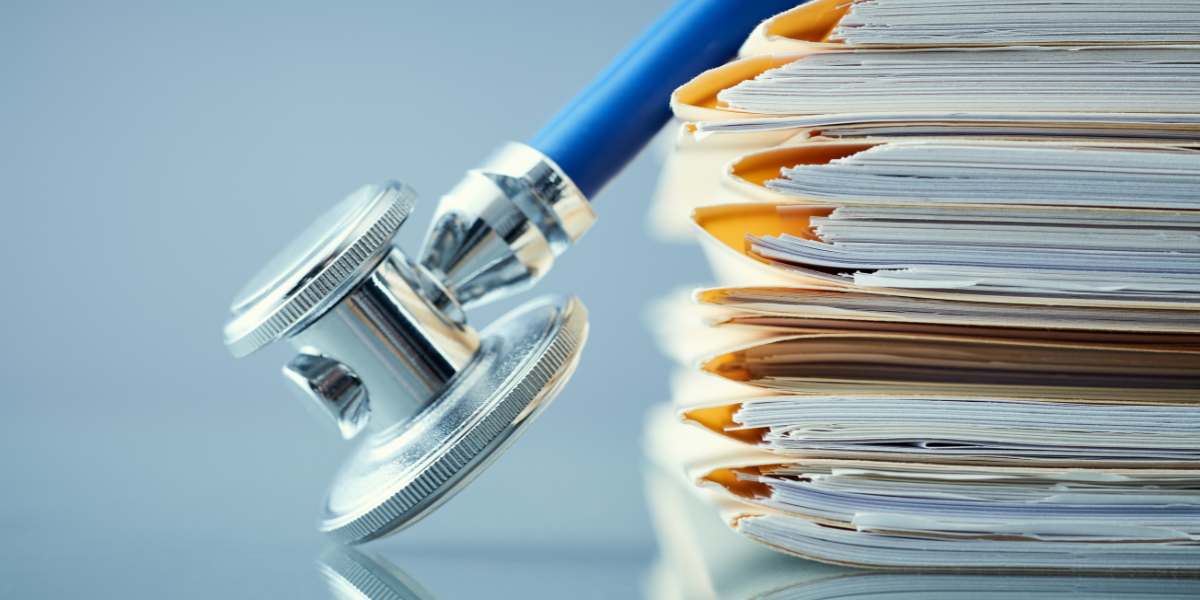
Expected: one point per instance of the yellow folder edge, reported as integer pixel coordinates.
(722, 231)
(696, 100)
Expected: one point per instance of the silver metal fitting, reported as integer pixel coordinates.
(332, 392)
(384, 345)
(398, 343)
(498, 231)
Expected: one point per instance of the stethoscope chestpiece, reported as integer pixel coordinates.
(385, 352)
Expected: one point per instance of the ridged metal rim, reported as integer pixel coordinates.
(328, 286)
(482, 439)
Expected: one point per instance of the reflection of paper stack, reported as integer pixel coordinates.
(961, 333)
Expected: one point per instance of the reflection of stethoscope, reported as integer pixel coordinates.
(384, 345)
(367, 576)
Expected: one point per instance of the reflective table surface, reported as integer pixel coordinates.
(151, 158)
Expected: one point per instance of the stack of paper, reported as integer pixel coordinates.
(701, 558)
(901, 444)
(1139, 79)
(996, 217)
(900, 22)
(1153, 127)
(962, 331)
(838, 24)
(815, 307)
(798, 83)
(1002, 173)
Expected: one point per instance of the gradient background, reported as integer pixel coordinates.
(152, 158)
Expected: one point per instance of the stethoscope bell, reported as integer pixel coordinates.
(384, 348)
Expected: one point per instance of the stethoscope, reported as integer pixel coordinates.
(385, 351)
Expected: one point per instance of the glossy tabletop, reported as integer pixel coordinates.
(152, 157)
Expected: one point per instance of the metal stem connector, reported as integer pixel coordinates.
(498, 231)
(401, 347)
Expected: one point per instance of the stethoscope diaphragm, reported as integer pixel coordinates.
(396, 476)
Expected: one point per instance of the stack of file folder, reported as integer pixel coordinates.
(957, 324)
(701, 559)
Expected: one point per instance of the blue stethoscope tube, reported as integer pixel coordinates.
(604, 127)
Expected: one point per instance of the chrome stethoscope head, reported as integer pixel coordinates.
(384, 343)
(384, 346)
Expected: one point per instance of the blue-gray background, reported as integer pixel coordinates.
(152, 157)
